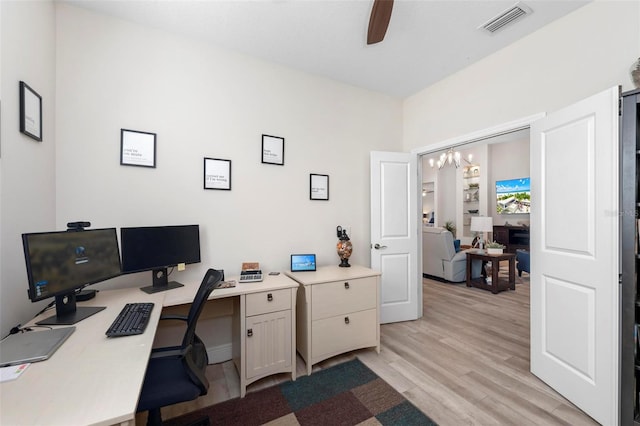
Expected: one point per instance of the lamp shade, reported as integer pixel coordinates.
(481, 224)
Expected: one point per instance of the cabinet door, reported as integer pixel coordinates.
(268, 343)
(501, 235)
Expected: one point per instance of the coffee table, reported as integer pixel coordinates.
(496, 284)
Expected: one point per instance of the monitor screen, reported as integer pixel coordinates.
(513, 196)
(156, 248)
(303, 262)
(60, 262)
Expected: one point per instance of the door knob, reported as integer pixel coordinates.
(378, 246)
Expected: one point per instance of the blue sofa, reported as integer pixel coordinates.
(522, 259)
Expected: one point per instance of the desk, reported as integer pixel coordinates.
(497, 284)
(95, 380)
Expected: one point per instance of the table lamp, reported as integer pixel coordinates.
(481, 224)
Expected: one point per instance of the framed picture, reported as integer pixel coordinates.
(272, 150)
(318, 187)
(30, 112)
(217, 174)
(137, 148)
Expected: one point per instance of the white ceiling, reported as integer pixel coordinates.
(426, 39)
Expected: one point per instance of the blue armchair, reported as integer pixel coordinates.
(522, 257)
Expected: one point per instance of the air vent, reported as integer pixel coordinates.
(510, 15)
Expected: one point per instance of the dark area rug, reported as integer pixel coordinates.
(345, 394)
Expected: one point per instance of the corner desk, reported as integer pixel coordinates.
(95, 380)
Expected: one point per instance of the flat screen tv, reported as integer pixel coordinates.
(61, 263)
(156, 248)
(513, 196)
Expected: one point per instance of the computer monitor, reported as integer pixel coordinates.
(59, 263)
(156, 248)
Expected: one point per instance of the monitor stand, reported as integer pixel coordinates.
(68, 313)
(161, 282)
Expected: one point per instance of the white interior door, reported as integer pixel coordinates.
(574, 254)
(394, 234)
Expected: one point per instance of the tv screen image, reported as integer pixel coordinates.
(513, 196)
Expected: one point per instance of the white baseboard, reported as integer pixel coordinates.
(219, 353)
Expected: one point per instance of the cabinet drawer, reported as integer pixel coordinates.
(341, 297)
(343, 333)
(268, 301)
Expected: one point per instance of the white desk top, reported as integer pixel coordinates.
(90, 379)
(95, 380)
(184, 295)
(332, 273)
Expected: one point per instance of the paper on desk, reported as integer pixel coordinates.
(12, 372)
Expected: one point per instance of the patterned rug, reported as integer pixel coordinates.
(345, 394)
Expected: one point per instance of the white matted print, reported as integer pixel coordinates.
(318, 187)
(217, 174)
(137, 148)
(273, 150)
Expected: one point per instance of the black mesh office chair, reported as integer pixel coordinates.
(176, 374)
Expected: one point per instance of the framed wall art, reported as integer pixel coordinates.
(318, 187)
(137, 148)
(217, 174)
(273, 150)
(30, 112)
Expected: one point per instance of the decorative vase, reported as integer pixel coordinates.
(344, 249)
(494, 250)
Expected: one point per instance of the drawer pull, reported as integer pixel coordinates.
(270, 297)
(346, 320)
(346, 286)
(250, 332)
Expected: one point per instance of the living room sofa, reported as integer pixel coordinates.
(439, 257)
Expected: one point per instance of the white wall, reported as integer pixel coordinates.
(581, 54)
(27, 172)
(206, 102)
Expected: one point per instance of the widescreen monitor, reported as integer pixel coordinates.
(59, 263)
(513, 196)
(157, 248)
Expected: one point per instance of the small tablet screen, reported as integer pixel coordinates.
(303, 262)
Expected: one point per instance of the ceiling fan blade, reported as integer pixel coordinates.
(379, 20)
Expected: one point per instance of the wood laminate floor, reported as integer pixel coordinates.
(465, 362)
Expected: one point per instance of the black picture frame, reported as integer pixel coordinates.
(30, 112)
(137, 148)
(273, 150)
(318, 187)
(217, 174)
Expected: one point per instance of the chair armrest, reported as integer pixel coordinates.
(170, 352)
(174, 317)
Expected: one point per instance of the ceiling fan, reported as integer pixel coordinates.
(379, 20)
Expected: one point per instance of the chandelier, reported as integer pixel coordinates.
(450, 157)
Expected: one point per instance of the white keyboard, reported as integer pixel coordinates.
(251, 276)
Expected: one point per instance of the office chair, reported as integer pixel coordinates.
(177, 374)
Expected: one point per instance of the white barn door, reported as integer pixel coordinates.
(574, 254)
(394, 234)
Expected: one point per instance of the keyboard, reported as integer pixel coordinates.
(132, 319)
(251, 276)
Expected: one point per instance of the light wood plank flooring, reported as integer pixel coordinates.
(465, 362)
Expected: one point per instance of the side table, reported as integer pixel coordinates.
(497, 284)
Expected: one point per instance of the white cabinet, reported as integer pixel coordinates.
(268, 333)
(264, 329)
(337, 311)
